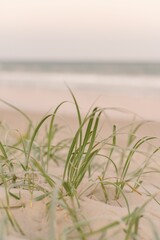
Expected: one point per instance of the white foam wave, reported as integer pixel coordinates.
(80, 81)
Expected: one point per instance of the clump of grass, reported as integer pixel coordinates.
(121, 181)
(81, 152)
(7, 208)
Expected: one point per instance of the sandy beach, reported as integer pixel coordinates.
(79, 120)
(136, 211)
(144, 104)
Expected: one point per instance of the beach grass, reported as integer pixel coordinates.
(96, 171)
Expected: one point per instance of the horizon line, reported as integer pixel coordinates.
(112, 61)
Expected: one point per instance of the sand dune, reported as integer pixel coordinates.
(93, 213)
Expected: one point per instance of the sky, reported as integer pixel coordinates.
(104, 30)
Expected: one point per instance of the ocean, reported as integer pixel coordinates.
(102, 76)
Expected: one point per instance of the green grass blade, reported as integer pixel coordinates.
(51, 128)
(33, 137)
(43, 173)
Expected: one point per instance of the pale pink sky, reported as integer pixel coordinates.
(80, 29)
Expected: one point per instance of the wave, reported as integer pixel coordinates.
(83, 82)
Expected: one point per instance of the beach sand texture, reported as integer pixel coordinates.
(97, 211)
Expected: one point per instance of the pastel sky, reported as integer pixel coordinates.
(80, 30)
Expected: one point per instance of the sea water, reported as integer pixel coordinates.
(135, 78)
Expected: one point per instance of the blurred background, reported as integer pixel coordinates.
(107, 51)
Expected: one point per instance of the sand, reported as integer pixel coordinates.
(33, 216)
(30, 99)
